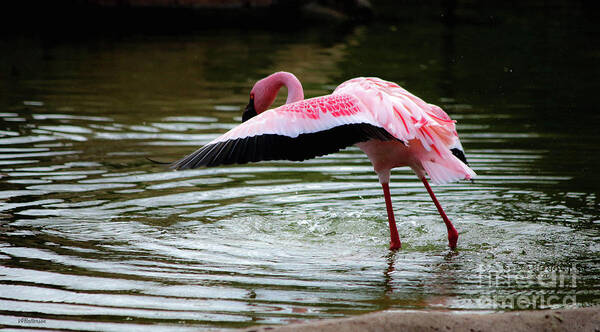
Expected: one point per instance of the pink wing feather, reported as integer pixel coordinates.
(306, 116)
(401, 113)
(410, 119)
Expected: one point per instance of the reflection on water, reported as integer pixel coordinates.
(96, 237)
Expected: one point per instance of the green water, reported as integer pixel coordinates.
(94, 237)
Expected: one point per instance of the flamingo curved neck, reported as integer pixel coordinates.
(293, 85)
(265, 90)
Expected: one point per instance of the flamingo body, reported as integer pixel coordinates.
(392, 126)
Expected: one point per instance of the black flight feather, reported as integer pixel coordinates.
(281, 147)
(458, 153)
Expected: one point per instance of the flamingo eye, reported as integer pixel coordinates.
(251, 96)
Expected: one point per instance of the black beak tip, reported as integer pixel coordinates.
(249, 111)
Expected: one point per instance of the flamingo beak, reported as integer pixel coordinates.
(249, 111)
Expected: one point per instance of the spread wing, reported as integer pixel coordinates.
(296, 131)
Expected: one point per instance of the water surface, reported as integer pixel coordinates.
(93, 236)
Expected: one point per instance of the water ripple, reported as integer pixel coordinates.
(93, 236)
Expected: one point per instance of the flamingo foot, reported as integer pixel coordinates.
(395, 245)
(452, 238)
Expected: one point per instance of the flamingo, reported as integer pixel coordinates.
(392, 126)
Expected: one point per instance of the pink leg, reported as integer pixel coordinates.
(452, 233)
(395, 238)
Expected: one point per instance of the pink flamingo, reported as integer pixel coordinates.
(392, 126)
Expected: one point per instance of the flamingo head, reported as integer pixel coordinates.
(262, 96)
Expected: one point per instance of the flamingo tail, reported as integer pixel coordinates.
(448, 170)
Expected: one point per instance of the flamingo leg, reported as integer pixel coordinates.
(395, 238)
(452, 233)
